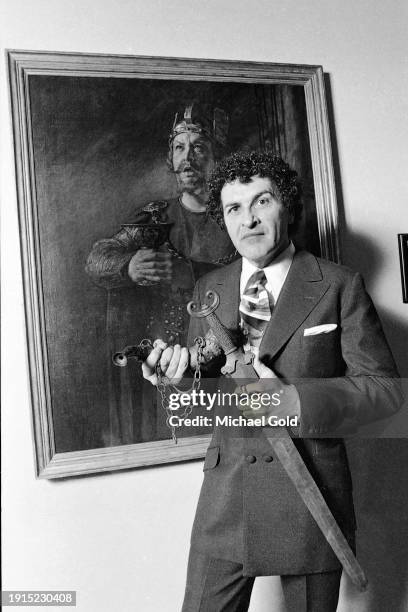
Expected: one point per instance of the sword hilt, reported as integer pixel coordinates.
(238, 364)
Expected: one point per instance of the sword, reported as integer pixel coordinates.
(239, 365)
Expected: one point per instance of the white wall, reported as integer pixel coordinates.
(121, 539)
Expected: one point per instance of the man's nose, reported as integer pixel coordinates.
(248, 219)
(189, 153)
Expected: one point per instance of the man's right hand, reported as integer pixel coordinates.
(173, 361)
(151, 266)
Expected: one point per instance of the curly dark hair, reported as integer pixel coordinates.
(244, 166)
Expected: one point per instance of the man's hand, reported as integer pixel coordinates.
(261, 369)
(173, 361)
(151, 266)
(284, 398)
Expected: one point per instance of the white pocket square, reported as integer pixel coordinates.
(320, 329)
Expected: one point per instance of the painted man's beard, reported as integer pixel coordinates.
(193, 184)
(190, 179)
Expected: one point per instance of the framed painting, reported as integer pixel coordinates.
(94, 139)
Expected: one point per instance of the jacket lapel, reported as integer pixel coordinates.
(303, 289)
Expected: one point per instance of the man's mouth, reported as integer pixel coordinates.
(252, 235)
(188, 171)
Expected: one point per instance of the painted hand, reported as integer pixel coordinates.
(148, 266)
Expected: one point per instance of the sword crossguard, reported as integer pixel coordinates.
(206, 309)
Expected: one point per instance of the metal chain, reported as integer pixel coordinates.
(179, 255)
(163, 388)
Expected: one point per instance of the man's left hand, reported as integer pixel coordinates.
(284, 398)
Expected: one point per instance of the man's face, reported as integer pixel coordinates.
(256, 221)
(192, 161)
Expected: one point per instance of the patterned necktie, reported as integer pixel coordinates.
(255, 308)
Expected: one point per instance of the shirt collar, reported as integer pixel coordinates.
(276, 272)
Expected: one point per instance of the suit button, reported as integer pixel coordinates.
(250, 459)
(268, 458)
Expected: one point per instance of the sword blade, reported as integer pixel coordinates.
(308, 490)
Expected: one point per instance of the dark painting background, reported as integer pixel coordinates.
(100, 146)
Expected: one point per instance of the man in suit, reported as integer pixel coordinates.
(314, 335)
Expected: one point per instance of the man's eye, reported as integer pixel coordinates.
(264, 201)
(232, 209)
(199, 149)
(178, 147)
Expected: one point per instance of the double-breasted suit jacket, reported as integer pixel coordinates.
(249, 510)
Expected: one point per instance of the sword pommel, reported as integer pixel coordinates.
(207, 310)
(195, 310)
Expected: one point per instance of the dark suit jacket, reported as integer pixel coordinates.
(249, 511)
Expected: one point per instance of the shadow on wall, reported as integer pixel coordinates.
(380, 475)
(380, 483)
(363, 249)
